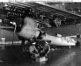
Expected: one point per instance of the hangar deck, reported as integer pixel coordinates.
(12, 56)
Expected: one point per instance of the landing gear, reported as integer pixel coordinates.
(77, 44)
(69, 47)
(39, 50)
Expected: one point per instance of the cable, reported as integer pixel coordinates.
(13, 23)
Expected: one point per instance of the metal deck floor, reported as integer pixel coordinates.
(12, 56)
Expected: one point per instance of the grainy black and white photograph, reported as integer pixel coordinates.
(40, 33)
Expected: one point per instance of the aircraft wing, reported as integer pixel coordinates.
(53, 10)
(46, 8)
